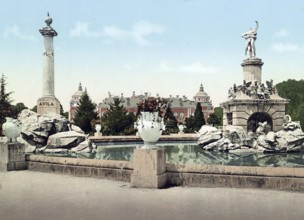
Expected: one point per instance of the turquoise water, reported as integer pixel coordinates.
(190, 153)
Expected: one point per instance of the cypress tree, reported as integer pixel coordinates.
(199, 119)
(85, 113)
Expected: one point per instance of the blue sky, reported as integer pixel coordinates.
(157, 46)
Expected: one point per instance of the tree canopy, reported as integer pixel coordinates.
(117, 120)
(85, 113)
(294, 91)
(213, 119)
(216, 118)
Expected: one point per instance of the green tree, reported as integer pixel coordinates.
(196, 121)
(63, 113)
(85, 113)
(19, 107)
(189, 123)
(213, 119)
(198, 117)
(219, 112)
(170, 121)
(294, 91)
(34, 109)
(6, 109)
(117, 120)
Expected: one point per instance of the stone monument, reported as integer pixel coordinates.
(253, 102)
(48, 102)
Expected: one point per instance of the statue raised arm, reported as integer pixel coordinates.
(251, 37)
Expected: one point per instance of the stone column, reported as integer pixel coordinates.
(149, 168)
(12, 156)
(252, 69)
(48, 102)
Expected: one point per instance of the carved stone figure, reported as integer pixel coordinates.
(251, 37)
(254, 89)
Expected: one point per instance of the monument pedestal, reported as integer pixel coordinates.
(149, 168)
(48, 104)
(252, 69)
(12, 156)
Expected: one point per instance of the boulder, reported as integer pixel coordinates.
(67, 139)
(85, 147)
(208, 134)
(37, 128)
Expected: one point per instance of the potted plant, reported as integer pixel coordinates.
(150, 122)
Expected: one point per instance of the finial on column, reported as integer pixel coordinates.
(48, 20)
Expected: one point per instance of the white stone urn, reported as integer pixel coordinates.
(98, 129)
(181, 129)
(11, 129)
(150, 127)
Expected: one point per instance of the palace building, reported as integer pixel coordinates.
(181, 106)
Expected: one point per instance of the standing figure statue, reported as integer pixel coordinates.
(251, 36)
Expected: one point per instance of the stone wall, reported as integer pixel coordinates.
(104, 169)
(191, 175)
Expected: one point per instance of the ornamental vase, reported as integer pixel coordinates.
(150, 127)
(11, 129)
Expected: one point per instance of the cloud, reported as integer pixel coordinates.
(195, 67)
(14, 31)
(82, 29)
(286, 47)
(139, 32)
(142, 29)
(281, 33)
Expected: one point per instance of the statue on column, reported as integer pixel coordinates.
(251, 37)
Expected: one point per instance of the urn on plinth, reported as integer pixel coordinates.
(12, 153)
(150, 127)
(150, 123)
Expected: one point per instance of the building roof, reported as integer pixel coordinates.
(201, 92)
(79, 92)
(131, 102)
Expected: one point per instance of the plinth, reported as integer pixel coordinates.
(149, 168)
(12, 156)
(252, 69)
(48, 104)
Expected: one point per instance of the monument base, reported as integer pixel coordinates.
(12, 156)
(48, 104)
(249, 112)
(252, 69)
(149, 168)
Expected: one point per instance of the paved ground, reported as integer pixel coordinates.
(43, 196)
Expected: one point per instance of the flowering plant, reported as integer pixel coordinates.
(152, 104)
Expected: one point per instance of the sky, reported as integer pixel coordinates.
(167, 47)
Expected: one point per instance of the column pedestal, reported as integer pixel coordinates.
(12, 156)
(252, 69)
(48, 104)
(149, 168)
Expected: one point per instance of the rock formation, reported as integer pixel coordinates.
(37, 128)
(289, 139)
